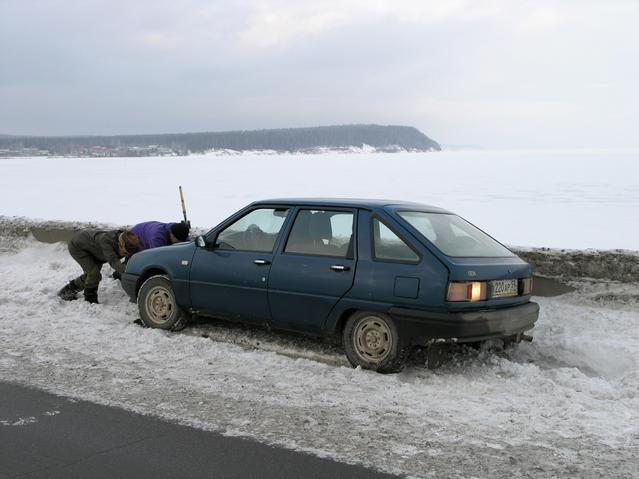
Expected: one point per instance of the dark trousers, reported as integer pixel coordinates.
(90, 266)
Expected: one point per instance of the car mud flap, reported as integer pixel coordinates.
(437, 354)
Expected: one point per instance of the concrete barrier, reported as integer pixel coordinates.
(615, 265)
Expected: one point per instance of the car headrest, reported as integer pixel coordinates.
(320, 226)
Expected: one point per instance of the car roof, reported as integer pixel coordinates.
(353, 203)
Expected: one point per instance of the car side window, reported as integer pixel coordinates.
(255, 231)
(388, 246)
(322, 233)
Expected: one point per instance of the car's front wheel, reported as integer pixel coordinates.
(371, 341)
(158, 307)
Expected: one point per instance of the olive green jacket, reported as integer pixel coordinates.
(102, 245)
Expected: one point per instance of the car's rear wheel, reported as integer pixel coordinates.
(371, 341)
(158, 307)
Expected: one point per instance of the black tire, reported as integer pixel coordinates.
(158, 307)
(371, 341)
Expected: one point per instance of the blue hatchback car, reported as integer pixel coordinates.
(382, 276)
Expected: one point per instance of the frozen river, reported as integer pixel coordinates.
(563, 199)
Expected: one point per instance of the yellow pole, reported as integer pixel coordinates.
(183, 207)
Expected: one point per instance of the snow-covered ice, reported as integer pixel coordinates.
(565, 199)
(566, 404)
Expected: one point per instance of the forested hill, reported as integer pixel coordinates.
(387, 138)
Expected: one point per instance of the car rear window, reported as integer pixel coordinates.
(322, 233)
(453, 235)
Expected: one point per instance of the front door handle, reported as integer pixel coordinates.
(261, 262)
(340, 267)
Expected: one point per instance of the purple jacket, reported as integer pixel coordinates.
(152, 234)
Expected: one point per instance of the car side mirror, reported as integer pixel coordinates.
(201, 241)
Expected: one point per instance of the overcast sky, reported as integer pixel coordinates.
(500, 73)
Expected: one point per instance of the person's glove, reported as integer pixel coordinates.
(116, 275)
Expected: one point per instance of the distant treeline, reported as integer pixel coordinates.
(290, 139)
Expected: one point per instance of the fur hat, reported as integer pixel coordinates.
(180, 230)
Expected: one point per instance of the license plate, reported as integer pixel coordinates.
(503, 287)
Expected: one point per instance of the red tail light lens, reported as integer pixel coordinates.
(467, 291)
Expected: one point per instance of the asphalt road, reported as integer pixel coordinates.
(46, 436)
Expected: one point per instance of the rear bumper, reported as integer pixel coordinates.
(129, 284)
(423, 326)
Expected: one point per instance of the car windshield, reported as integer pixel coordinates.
(453, 235)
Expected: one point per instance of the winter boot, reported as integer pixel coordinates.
(68, 293)
(91, 295)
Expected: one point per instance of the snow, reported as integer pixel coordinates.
(566, 404)
(564, 199)
(22, 421)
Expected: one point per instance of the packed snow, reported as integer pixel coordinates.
(564, 199)
(566, 404)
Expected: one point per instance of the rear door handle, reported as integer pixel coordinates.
(261, 262)
(339, 267)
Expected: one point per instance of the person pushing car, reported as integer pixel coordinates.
(153, 234)
(91, 249)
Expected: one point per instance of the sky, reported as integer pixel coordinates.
(486, 73)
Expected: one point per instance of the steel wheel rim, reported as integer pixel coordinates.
(372, 339)
(159, 304)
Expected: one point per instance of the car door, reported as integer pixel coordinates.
(230, 274)
(314, 269)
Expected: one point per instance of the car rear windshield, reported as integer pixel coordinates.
(453, 235)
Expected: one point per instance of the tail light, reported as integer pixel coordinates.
(525, 286)
(467, 291)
